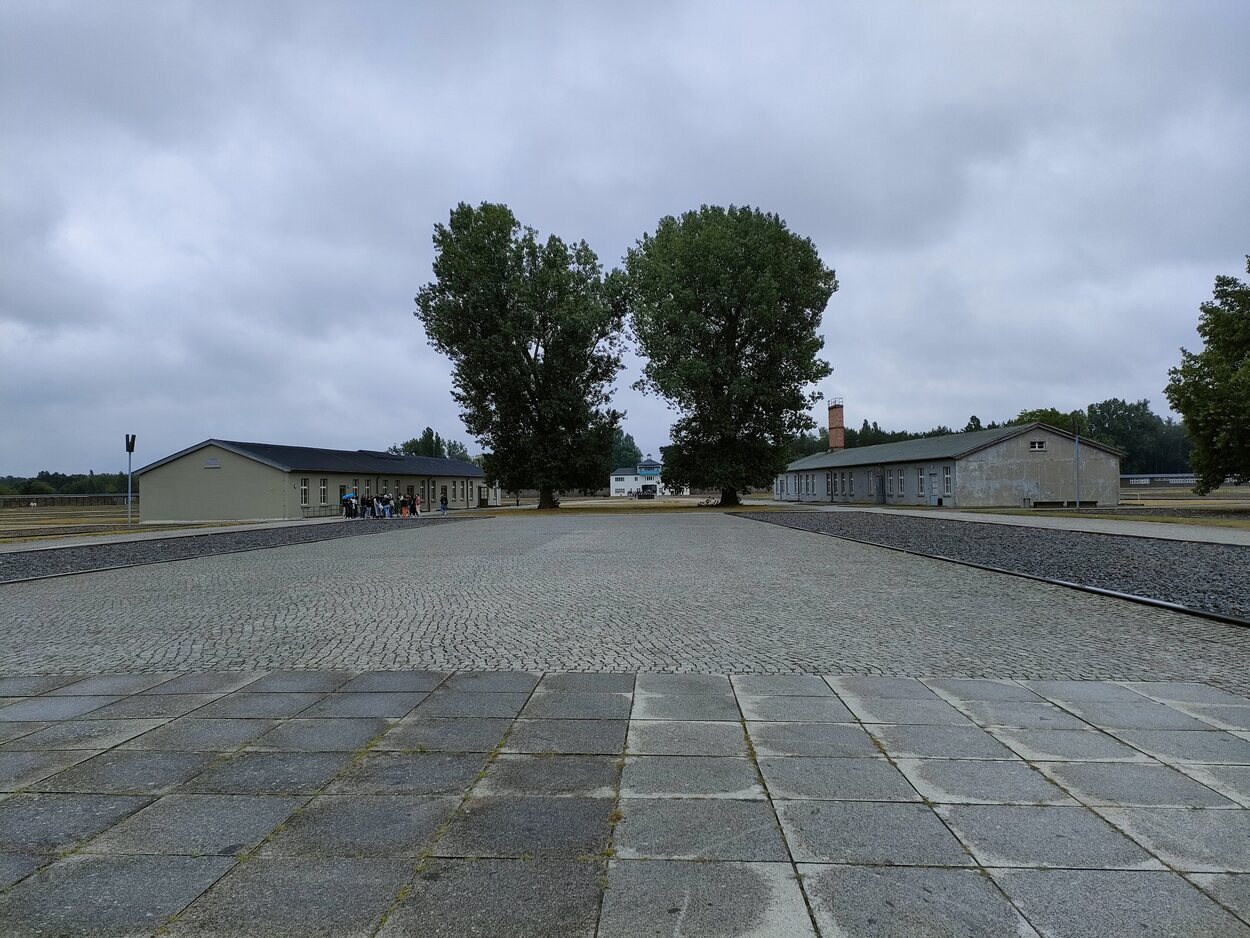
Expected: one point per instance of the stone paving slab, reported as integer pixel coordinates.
(197, 825)
(452, 898)
(848, 900)
(699, 829)
(1231, 781)
(1038, 836)
(1115, 904)
(106, 895)
(358, 825)
(729, 899)
(290, 824)
(293, 897)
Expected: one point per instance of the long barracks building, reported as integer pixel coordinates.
(224, 480)
(1031, 465)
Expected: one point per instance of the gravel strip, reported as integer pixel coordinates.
(1211, 577)
(82, 559)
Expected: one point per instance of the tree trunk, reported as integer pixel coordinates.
(729, 497)
(547, 498)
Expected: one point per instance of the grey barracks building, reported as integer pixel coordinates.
(1032, 465)
(224, 480)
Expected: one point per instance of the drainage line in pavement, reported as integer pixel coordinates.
(1096, 590)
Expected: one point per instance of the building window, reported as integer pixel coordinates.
(618, 491)
(852, 488)
(1037, 446)
(368, 488)
(828, 483)
(303, 491)
(619, 479)
(889, 482)
(356, 487)
(946, 479)
(900, 483)
(325, 491)
(920, 480)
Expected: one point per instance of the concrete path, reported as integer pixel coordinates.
(418, 803)
(150, 533)
(1159, 529)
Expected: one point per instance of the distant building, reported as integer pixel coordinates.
(224, 480)
(1031, 465)
(632, 479)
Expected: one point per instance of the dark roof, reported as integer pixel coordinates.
(633, 470)
(315, 459)
(950, 446)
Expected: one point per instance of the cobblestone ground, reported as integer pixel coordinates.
(667, 592)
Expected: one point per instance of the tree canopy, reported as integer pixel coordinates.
(725, 304)
(1211, 389)
(430, 443)
(60, 483)
(534, 341)
(625, 452)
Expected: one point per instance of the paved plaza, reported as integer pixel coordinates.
(664, 592)
(508, 803)
(614, 726)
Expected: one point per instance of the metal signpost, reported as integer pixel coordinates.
(130, 448)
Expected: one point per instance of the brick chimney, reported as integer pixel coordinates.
(837, 429)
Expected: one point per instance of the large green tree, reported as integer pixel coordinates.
(1130, 426)
(534, 342)
(625, 452)
(428, 443)
(1211, 389)
(726, 307)
(1074, 421)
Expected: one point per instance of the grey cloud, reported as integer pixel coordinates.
(215, 216)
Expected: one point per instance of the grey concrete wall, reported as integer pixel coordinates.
(1009, 473)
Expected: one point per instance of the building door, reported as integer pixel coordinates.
(878, 482)
(934, 498)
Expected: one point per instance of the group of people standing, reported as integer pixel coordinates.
(383, 506)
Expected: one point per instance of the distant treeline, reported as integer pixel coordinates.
(1151, 443)
(58, 483)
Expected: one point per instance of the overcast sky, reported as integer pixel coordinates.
(214, 216)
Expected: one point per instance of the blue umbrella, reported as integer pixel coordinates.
(348, 495)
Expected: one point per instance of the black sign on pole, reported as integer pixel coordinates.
(130, 448)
